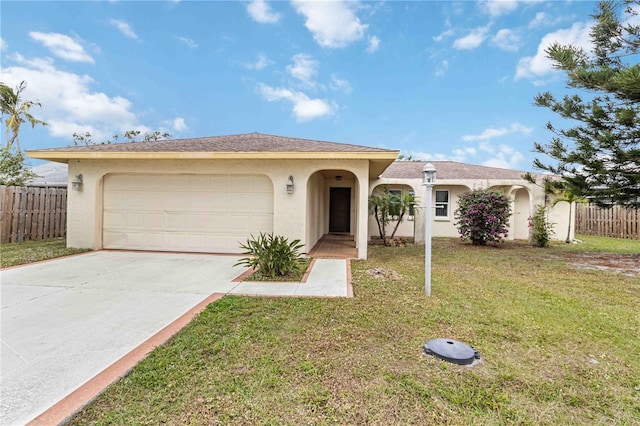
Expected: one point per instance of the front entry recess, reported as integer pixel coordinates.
(339, 209)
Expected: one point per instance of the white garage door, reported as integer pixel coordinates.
(186, 212)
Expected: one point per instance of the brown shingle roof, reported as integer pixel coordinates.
(249, 142)
(448, 170)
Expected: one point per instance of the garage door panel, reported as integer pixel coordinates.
(152, 200)
(240, 184)
(262, 202)
(202, 213)
(135, 220)
(154, 220)
(260, 222)
(122, 200)
(261, 185)
(149, 241)
(237, 222)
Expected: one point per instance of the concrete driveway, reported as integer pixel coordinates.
(64, 321)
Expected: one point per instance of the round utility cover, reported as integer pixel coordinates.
(452, 351)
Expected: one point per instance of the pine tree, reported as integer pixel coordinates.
(599, 158)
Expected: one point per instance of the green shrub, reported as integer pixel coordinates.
(274, 255)
(541, 228)
(482, 216)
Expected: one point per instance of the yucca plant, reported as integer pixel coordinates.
(273, 255)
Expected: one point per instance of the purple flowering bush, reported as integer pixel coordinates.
(482, 216)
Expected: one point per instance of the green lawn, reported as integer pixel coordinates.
(559, 342)
(12, 254)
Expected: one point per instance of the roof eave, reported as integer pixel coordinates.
(64, 156)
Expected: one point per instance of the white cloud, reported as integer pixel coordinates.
(261, 63)
(499, 7)
(124, 28)
(179, 125)
(505, 157)
(539, 20)
(3, 45)
(445, 34)
(261, 12)
(189, 42)
(472, 40)
(492, 133)
(374, 44)
(69, 104)
(459, 154)
(507, 40)
(444, 66)
(333, 24)
(540, 64)
(342, 85)
(502, 156)
(304, 68)
(62, 46)
(304, 108)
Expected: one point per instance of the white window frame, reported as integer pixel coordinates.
(446, 205)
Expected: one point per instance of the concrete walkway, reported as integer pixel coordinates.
(64, 321)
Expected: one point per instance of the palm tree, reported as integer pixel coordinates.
(568, 196)
(404, 205)
(379, 206)
(17, 112)
(385, 207)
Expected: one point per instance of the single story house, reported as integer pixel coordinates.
(210, 194)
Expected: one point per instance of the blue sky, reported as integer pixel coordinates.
(436, 80)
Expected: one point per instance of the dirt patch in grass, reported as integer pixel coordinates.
(626, 264)
(382, 273)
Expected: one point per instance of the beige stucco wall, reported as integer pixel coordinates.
(559, 217)
(291, 216)
(315, 207)
(524, 195)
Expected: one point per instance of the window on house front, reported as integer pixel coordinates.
(442, 203)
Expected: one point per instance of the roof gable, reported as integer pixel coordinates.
(448, 170)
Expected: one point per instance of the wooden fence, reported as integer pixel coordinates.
(29, 213)
(615, 221)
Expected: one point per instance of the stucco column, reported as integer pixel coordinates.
(84, 208)
(362, 212)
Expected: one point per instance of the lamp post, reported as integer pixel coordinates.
(428, 180)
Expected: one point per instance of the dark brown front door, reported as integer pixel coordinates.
(339, 209)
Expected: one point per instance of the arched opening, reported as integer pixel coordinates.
(521, 213)
(331, 206)
(404, 227)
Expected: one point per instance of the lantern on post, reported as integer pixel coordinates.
(428, 180)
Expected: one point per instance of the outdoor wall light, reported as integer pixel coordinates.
(290, 185)
(76, 183)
